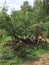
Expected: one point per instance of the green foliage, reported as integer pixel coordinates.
(2, 33)
(24, 21)
(21, 55)
(5, 39)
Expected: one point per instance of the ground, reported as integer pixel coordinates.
(44, 60)
(33, 56)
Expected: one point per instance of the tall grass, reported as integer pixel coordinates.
(22, 55)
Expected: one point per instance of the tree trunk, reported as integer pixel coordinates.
(38, 36)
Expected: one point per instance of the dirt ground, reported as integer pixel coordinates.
(44, 60)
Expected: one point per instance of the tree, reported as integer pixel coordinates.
(22, 20)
